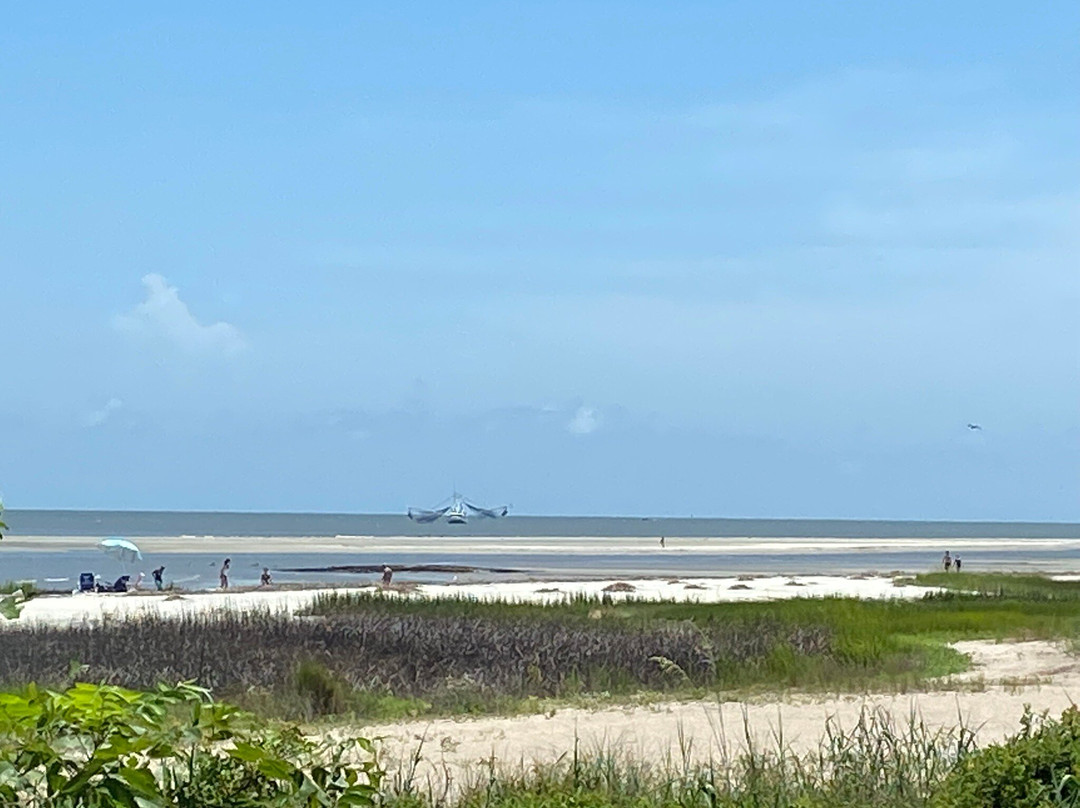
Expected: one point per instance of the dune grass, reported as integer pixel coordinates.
(876, 762)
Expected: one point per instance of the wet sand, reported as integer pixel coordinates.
(512, 545)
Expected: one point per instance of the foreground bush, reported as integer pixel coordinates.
(105, 746)
(1038, 768)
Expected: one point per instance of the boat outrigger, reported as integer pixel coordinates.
(456, 510)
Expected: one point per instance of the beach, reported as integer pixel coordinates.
(988, 699)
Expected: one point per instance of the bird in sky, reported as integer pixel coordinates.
(975, 426)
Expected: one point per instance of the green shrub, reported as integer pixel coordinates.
(321, 688)
(97, 745)
(1037, 768)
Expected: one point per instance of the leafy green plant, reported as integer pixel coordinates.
(11, 604)
(99, 745)
(1037, 768)
(28, 588)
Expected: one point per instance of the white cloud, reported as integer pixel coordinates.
(585, 421)
(164, 316)
(98, 417)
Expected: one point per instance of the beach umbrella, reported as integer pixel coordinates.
(122, 550)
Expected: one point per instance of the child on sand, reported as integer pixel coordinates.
(264, 579)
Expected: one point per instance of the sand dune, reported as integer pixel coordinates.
(1039, 674)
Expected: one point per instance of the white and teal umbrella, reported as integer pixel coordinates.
(124, 551)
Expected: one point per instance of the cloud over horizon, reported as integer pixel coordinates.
(165, 317)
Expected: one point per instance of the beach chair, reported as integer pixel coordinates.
(86, 582)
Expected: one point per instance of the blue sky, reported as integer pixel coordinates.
(754, 259)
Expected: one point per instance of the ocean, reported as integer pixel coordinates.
(284, 525)
(522, 546)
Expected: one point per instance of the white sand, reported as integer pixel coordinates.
(700, 590)
(704, 730)
(67, 609)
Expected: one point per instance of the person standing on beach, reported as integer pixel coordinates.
(387, 575)
(947, 561)
(158, 575)
(956, 561)
(223, 576)
(265, 579)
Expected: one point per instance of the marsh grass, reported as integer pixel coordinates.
(374, 661)
(881, 644)
(1013, 586)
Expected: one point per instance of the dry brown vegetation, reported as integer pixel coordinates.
(439, 658)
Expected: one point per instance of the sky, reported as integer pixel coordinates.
(730, 259)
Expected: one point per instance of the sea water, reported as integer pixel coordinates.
(695, 547)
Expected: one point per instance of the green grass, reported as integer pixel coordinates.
(1004, 585)
(28, 588)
